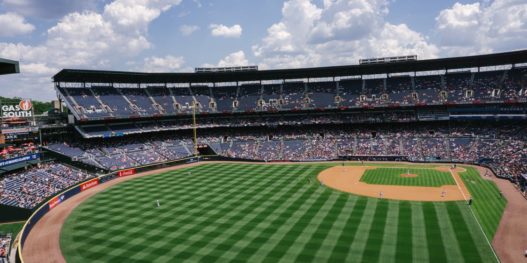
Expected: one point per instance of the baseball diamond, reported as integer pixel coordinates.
(251, 213)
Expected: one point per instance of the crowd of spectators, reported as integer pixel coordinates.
(5, 243)
(502, 146)
(13, 151)
(30, 187)
(112, 130)
(452, 88)
(125, 152)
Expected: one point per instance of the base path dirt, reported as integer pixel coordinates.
(347, 179)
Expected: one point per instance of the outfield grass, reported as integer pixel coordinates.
(392, 176)
(12, 228)
(254, 213)
(488, 204)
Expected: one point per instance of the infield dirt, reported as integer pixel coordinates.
(347, 179)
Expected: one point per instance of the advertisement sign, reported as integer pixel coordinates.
(127, 172)
(22, 130)
(55, 201)
(19, 159)
(87, 185)
(22, 110)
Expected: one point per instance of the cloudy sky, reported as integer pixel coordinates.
(178, 35)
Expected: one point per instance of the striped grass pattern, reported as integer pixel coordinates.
(256, 213)
(392, 176)
(488, 204)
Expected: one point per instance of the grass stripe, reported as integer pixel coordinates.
(466, 243)
(344, 241)
(361, 237)
(436, 248)
(389, 240)
(404, 233)
(334, 232)
(452, 246)
(318, 237)
(376, 233)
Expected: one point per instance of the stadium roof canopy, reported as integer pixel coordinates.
(8, 66)
(96, 76)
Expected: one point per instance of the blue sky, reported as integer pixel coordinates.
(178, 35)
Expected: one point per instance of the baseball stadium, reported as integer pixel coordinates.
(293, 165)
(390, 159)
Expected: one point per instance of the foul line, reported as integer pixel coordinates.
(457, 184)
(477, 221)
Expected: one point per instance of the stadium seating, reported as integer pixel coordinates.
(124, 154)
(5, 244)
(498, 145)
(28, 188)
(452, 88)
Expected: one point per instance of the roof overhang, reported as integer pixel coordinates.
(9, 66)
(97, 76)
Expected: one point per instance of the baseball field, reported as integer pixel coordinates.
(282, 213)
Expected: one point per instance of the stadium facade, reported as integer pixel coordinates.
(453, 110)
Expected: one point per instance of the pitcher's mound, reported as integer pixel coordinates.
(408, 175)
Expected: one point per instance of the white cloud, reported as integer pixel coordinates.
(136, 14)
(48, 9)
(396, 40)
(187, 30)
(338, 32)
(349, 20)
(483, 28)
(14, 24)
(234, 59)
(163, 64)
(89, 40)
(458, 26)
(37, 69)
(219, 30)
(84, 39)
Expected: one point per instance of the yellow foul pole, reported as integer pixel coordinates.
(195, 128)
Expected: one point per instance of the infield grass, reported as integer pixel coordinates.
(266, 213)
(395, 176)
